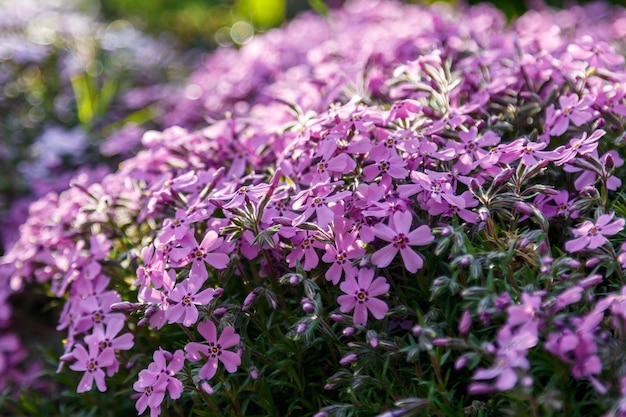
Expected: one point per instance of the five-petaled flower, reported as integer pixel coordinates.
(215, 350)
(592, 235)
(92, 363)
(360, 296)
(401, 238)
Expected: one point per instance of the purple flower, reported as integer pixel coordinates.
(215, 350)
(401, 238)
(572, 109)
(91, 362)
(592, 235)
(187, 297)
(361, 296)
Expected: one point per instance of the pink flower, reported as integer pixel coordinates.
(91, 362)
(360, 296)
(198, 254)
(401, 239)
(592, 235)
(346, 247)
(572, 109)
(215, 351)
(186, 296)
(106, 339)
(152, 392)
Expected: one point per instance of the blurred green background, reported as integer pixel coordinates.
(207, 23)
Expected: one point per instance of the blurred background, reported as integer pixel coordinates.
(206, 23)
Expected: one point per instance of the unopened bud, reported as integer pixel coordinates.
(125, 306)
(301, 328)
(441, 341)
(336, 318)
(502, 178)
(524, 208)
(348, 359)
(372, 338)
(220, 311)
(591, 280)
(248, 300)
(460, 363)
(307, 305)
(465, 323)
(348, 331)
(206, 387)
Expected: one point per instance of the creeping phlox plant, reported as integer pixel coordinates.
(391, 209)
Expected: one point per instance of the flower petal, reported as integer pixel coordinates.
(383, 257)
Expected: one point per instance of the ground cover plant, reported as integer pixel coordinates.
(347, 220)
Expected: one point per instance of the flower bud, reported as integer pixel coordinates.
(609, 162)
(295, 279)
(254, 374)
(372, 338)
(348, 331)
(301, 328)
(206, 387)
(441, 341)
(524, 208)
(308, 305)
(125, 306)
(336, 318)
(460, 363)
(417, 330)
(249, 300)
(502, 178)
(348, 359)
(220, 311)
(465, 323)
(591, 280)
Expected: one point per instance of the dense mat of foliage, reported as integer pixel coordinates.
(391, 210)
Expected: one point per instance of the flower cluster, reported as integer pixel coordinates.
(331, 198)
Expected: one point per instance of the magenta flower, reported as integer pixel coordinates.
(92, 363)
(572, 109)
(360, 296)
(187, 297)
(401, 239)
(198, 254)
(215, 350)
(346, 247)
(152, 390)
(592, 235)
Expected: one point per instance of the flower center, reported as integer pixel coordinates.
(97, 316)
(360, 296)
(400, 241)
